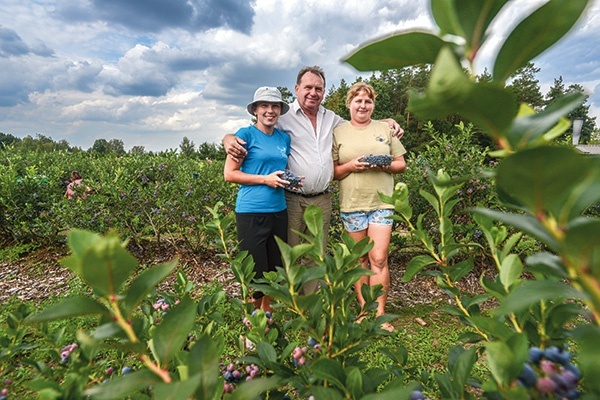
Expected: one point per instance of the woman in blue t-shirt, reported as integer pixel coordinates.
(260, 209)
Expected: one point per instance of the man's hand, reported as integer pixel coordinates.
(234, 147)
(395, 127)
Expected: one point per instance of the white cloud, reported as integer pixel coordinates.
(82, 70)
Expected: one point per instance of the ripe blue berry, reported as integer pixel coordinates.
(535, 355)
(557, 354)
(312, 342)
(125, 370)
(574, 369)
(527, 376)
(416, 395)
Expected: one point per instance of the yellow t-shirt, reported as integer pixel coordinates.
(358, 191)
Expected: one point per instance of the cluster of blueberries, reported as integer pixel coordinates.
(293, 179)
(269, 316)
(550, 371)
(378, 160)
(66, 351)
(110, 370)
(299, 353)
(232, 375)
(161, 304)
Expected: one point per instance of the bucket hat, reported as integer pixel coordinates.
(270, 95)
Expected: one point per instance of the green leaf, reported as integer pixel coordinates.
(449, 92)
(526, 223)
(502, 362)
(510, 270)
(266, 353)
(144, 283)
(445, 385)
(530, 128)
(533, 179)
(588, 337)
(395, 52)
(80, 241)
(532, 292)
(106, 265)
(168, 337)
(415, 265)
(398, 355)
(587, 193)
(325, 393)
(492, 327)
(461, 368)
(123, 386)
(182, 390)
(253, 389)
(469, 20)
(71, 307)
(203, 361)
(354, 382)
(330, 371)
(431, 199)
(535, 34)
(582, 245)
(460, 270)
(395, 393)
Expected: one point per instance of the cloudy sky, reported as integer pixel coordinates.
(150, 72)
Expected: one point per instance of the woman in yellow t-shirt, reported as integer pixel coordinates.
(365, 155)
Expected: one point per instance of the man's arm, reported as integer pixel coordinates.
(395, 127)
(234, 147)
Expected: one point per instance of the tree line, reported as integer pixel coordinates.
(393, 88)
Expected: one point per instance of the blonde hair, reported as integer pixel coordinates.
(357, 88)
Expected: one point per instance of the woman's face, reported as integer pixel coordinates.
(361, 107)
(267, 113)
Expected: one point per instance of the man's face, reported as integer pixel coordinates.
(310, 91)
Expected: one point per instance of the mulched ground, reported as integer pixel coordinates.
(39, 275)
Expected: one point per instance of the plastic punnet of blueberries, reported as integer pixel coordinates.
(378, 160)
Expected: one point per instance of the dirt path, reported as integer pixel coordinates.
(39, 275)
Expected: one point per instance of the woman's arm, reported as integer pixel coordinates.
(340, 171)
(397, 166)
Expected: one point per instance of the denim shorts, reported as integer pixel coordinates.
(360, 220)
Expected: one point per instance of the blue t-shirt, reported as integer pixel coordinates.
(266, 154)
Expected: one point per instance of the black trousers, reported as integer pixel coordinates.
(256, 234)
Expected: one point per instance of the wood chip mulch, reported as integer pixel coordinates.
(39, 276)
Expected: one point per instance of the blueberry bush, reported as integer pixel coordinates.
(160, 197)
(544, 189)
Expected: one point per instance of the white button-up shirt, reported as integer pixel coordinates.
(310, 152)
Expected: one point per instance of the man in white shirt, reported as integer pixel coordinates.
(310, 126)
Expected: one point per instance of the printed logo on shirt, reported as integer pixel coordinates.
(282, 150)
